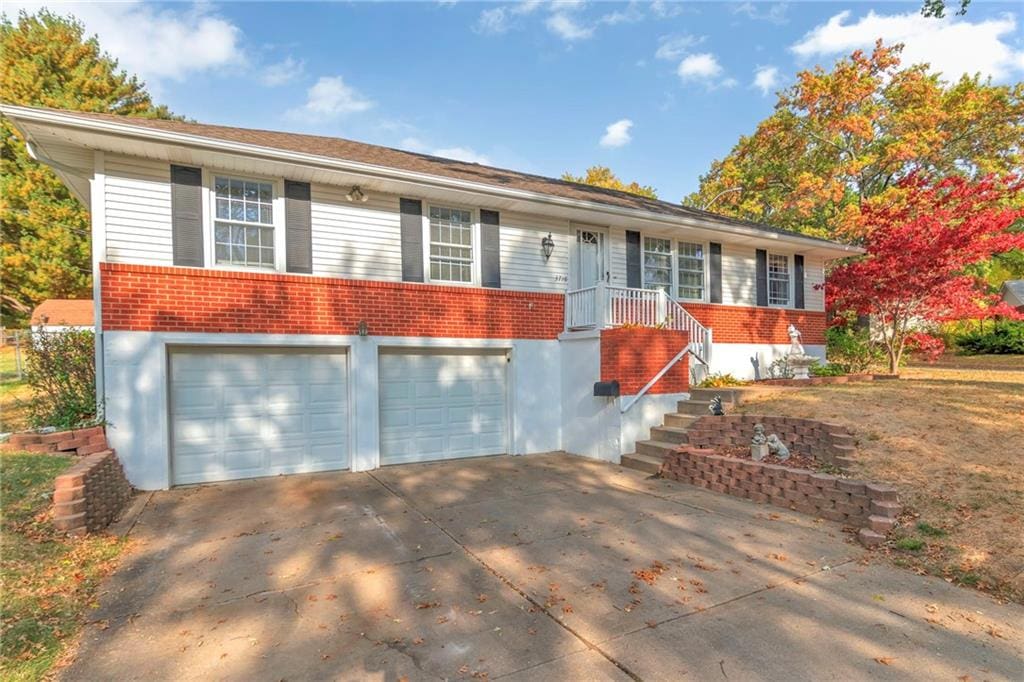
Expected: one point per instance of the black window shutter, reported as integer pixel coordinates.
(761, 274)
(798, 281)
(490, 249)
(715, 273)
(633, 256)
(298, 227)
(412, 239)
(187, 216)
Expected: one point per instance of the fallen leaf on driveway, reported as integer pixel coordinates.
(884, 660)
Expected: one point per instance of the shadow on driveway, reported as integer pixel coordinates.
(538, 567)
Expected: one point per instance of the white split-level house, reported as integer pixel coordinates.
(271, 303)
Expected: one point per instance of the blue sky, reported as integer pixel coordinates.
(656, 91)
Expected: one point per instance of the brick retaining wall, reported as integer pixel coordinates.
(870, 507)
(76, 441)
(825, 442)
(90, 494)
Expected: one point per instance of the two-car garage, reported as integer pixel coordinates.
(248, 412)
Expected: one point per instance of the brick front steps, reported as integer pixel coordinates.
(683, 449)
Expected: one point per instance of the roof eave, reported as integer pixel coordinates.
(69, 120)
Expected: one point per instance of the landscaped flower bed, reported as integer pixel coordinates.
(717, 457)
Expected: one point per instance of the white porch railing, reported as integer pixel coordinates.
(602, 306)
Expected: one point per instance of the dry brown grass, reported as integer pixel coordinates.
(950, 436)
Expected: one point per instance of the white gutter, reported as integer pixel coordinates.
(386, 172)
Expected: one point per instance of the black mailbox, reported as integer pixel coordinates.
(606, 389)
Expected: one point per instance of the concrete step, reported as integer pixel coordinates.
(669, 434)
(655, 448)
(696, 407)
(644, 463)
(729, 395)
(681, 421)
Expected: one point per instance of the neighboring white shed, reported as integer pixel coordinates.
(63, 314)
(1013, 293)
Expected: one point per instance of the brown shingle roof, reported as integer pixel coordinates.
(72, 312)
(338, 148)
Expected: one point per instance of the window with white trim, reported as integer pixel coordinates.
(658, 264)
(243, 225)
(691, 271)
(451, 245)
(778, 279)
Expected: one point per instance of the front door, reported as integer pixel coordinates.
(589, 257)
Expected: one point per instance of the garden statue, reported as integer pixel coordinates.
(758, 444)
(795, 347)
(716, 407)
(777, 448)
(798, 360)
(756, 362)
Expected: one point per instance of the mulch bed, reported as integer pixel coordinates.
(795, 461)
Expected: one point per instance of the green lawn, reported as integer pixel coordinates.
(14, 394)
(47, 580)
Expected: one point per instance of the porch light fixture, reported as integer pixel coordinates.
(362, 328)
(547, 246)
(356, 195)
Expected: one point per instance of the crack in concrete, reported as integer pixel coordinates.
(508, 582)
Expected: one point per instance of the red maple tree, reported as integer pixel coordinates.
(919, 248)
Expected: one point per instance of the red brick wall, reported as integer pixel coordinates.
(738, 324)
(151, 298)
(633, 355)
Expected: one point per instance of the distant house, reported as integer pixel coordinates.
(1013, 294)
(63, 314)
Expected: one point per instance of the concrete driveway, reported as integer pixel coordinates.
(540, 567)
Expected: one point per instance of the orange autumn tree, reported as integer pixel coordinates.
(842, 139)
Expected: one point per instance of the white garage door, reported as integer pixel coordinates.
(245, 413)
(437, 406)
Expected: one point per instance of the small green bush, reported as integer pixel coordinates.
(61, 369)
(721, 380)
(827, 370)
(851, 349)
(928, 529)
(1006, 338)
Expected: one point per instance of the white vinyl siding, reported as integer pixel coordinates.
(137, 194)
(739, 272)
(522, 264)
(356, 241)
(814, 276)
(617, 267)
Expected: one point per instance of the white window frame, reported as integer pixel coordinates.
(705, 251)
(671, 262)
(209, 220)
(789, 277)
(674, 291)
(474, 224)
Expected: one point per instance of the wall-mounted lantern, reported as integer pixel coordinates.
(363, 329)
(547, 246)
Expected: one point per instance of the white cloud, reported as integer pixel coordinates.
(952, 46)
(667, 10)
(775, 14)
(568, 28)
(501, 19)
(632, 13)
(766, 79)
(703, 66)
(330, 98)
(155, 43)
(462, 154)
(617, 134)
(671, 48)
(289, 69)
(467, 154)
